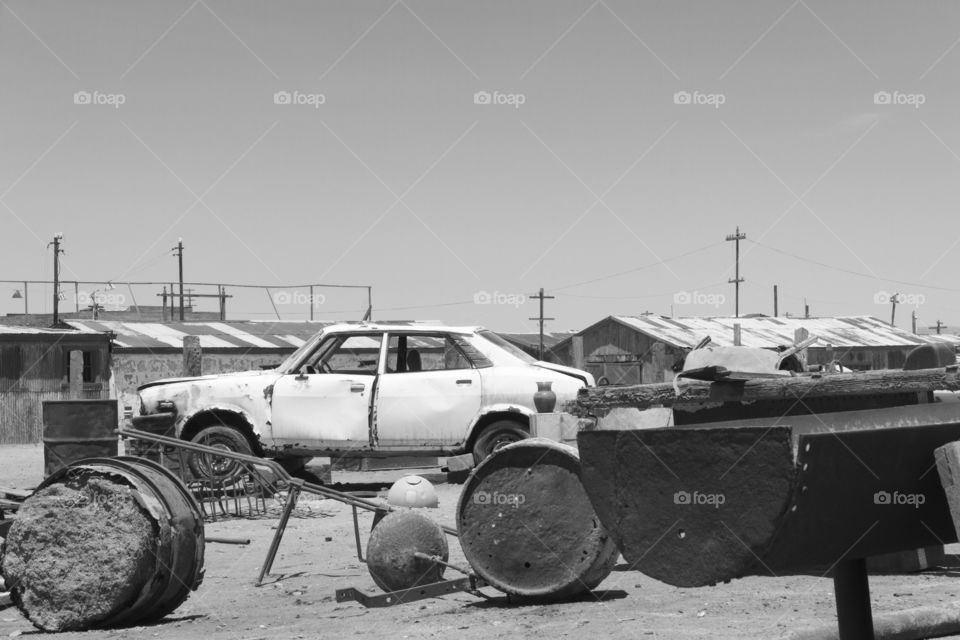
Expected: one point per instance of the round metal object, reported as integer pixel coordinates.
(170, 569)
(413, 491)
(393, 543)
(527, 526)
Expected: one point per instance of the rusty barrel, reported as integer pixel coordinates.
(77, 429)
(527, 526)
(104, 542)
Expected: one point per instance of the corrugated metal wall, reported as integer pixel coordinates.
(32, 372)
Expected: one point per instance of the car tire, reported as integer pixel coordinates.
(210, 467)
(495, 435)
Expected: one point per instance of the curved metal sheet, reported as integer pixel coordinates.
(695, 506)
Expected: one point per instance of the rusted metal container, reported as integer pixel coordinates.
(169, 562)
(775, 495)
(527, 526)
(77, 429)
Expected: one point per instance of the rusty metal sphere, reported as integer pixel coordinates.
(393, 543)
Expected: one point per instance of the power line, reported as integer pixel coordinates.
(635, 269)
(645, 297)
(852, 272)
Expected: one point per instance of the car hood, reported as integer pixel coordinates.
(237, 374)
(570, 371)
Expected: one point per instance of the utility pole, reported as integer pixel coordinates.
(56, 277)
(179, 250)
(736, 238)
(775, 300)
(939, 326)
(541, 319)
(894, 299)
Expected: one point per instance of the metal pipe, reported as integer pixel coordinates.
(851, 588)
(275, 467)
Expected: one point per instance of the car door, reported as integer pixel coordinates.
(327, 405)
(428, 394)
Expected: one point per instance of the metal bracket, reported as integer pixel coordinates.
(403, 596)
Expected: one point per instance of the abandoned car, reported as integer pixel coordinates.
(361, 390)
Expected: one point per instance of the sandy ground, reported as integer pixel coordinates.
(318, 556)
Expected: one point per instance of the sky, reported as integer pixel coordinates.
(458, 156)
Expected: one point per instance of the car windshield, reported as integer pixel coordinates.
(296, 356)
(510, 348)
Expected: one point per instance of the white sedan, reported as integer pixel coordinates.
(365, 389)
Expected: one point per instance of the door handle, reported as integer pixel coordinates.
(357, 387)
(467, 381)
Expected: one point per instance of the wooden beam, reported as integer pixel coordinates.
(599, 400)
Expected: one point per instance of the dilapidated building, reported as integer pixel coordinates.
(651, 348)
(35, 366)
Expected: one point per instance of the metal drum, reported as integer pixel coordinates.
(527, 526)
(68, 560)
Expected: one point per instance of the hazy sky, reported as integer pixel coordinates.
(617, 144)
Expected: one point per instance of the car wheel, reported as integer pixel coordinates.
(496, 435)
(212, 467)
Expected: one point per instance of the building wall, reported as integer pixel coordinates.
(33, 370)
(131, 370)
(863, 358)
(626, 356)
(622, 355)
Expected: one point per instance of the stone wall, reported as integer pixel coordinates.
(130, 370)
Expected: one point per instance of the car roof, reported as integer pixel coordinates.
(363, 327)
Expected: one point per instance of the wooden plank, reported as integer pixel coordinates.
(948, 467)
(598, 400)
(15, 494)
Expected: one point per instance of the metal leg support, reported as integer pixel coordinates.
(851, 588)
(292, 495)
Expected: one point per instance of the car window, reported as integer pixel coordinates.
(510, 348)
(358, 354)
(410, 353)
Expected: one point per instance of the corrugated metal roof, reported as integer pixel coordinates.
(767, 332)
(946, 338)
(17, 330)
(532, 339)
(280, 336)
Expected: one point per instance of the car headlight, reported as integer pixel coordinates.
(166, 406)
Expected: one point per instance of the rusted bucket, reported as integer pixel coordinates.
(105, 542)
(527, 526)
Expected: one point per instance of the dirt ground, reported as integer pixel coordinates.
(318, 556)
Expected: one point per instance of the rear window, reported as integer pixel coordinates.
(510, 348)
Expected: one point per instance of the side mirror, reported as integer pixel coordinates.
(305, 370)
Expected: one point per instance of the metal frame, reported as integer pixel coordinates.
(296, 486)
